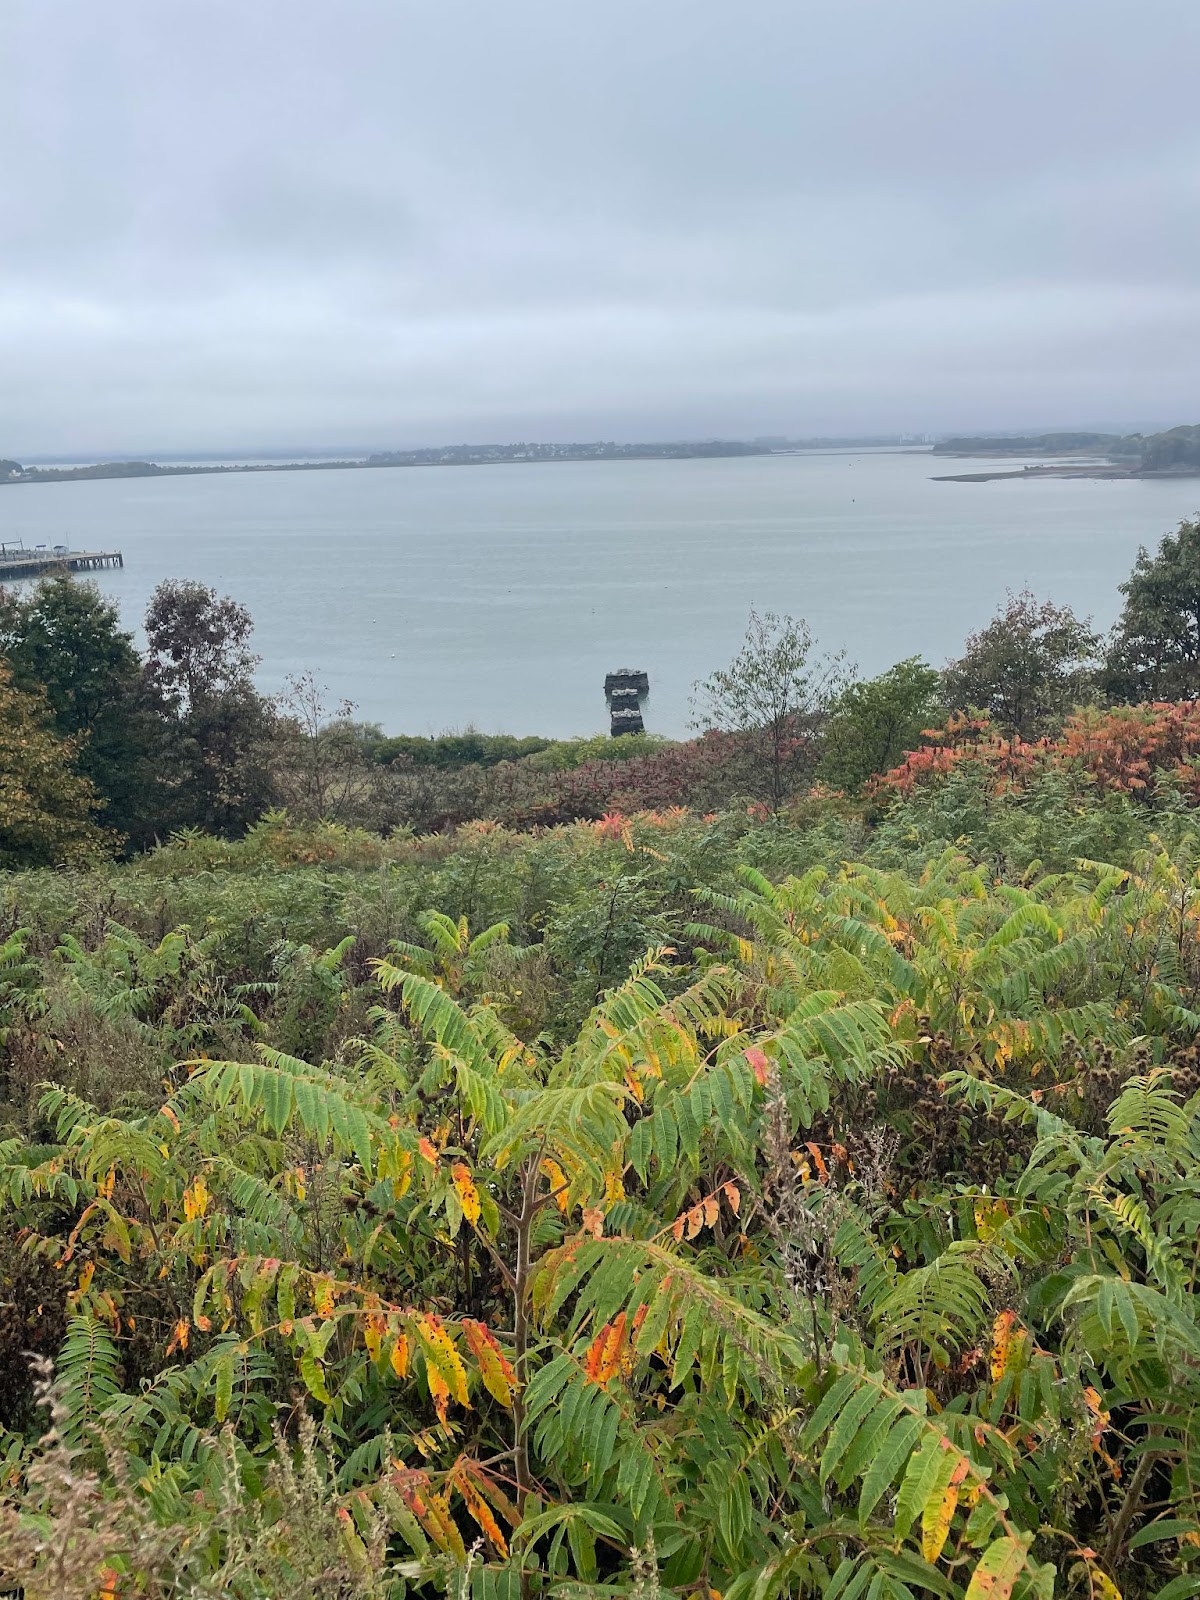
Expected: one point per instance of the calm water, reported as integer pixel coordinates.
(499, 596)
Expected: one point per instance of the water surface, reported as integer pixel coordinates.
(499, 596)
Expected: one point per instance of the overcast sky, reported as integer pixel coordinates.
(240, 224)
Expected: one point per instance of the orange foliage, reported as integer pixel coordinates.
(1118, 749)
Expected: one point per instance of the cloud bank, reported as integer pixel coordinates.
(264, 226)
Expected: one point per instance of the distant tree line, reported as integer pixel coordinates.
(1175, 451)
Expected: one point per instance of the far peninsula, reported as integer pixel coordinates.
(1172, 454)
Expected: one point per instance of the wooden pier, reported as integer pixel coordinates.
(21, 563)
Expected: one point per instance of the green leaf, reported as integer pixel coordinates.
(223, 1375)
(1166, 1528)
(893, 1452)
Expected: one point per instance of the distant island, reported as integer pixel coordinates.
(474, 455)
(1172, 454)
(453, 455)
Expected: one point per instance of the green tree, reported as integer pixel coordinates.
(1031, 665)
(1154, 653)
(200, 661)
(875, 722)
(65, 639)
(775, 696)
(46, 805)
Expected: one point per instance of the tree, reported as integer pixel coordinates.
(776, 698)
(324, 766)
(875, 723)
(200, 662)
(46, 805)
(1028, 669)
(65, 639)
(198, 645)
(1154, 652)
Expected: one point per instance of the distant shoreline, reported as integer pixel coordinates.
(447, 456)
(1099, 471)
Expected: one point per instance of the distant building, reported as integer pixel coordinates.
(624, 691)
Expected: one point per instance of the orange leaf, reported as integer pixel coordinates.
(399, 1356)
(677, 1229)
(712, 1209)
(179, 1338)
(1002, 1331)
(429, 1150)
(1096, 1406)
(734, 1195)
(759, 1063)
(818, 1161)
(439, 1390)
(495, 1369)
(481, 1512)
(603, 1359)
(593, 1221)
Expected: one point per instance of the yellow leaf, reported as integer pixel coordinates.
(441, 1355)
(558, 1182)
(938, 1514)
(990, 1217)
(468, 1194)
(374, 1329)
(322, 1289)
(1103, 1584)
(195, 1200)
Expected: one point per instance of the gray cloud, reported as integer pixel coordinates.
(234, 225)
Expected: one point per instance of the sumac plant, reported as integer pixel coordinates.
(661, 1311)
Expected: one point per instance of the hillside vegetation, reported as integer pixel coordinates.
(759, 1166)
(678, 1230)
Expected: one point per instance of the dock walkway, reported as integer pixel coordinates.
(36, 563)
